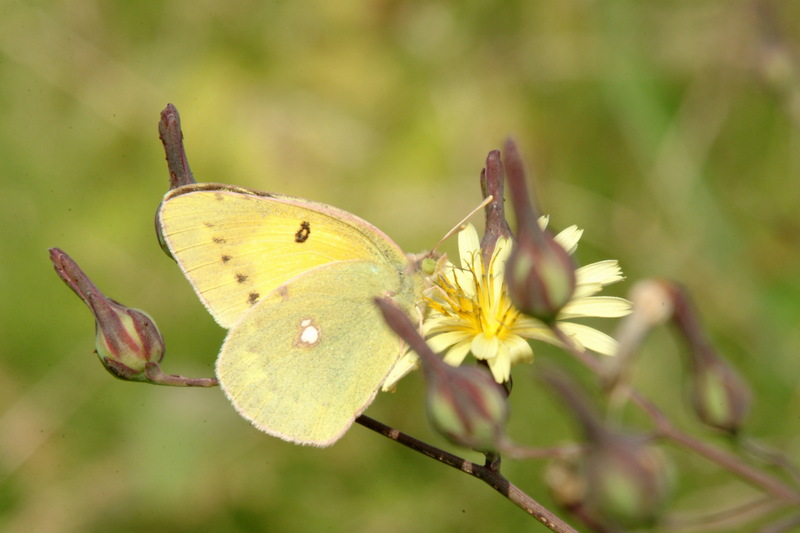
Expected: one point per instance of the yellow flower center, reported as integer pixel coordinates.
(485, 309)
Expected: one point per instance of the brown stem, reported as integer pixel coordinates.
(171, 135)
(728, 461)
(157, 377)
(732, 517)
(488, 476)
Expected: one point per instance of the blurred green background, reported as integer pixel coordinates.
(668, 130)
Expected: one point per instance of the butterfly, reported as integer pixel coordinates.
(293, 281)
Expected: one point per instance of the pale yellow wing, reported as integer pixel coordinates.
(309, 357)
(237, 245)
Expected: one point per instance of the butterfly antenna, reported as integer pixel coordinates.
(460, 225)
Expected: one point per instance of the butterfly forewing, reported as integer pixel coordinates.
(236, 245)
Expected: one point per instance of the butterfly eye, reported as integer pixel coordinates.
(428, 266)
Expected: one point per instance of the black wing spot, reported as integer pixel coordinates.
(218, 240)
(303, 233)
(241, 278)
(252, 298)
(225, 258)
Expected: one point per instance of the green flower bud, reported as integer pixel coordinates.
(565, 482)
(720, 397)
(627, 481)
(540, 275)
(127, 340)
(468, 407)
(464, 404)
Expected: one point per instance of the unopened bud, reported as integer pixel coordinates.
(540, 275)
(627, 480)
(126, 339)
(566, 483)
(464, 404)
(468, 407)
(720, 397)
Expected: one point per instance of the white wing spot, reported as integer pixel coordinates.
(309, 334)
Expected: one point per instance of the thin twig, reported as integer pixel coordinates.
(730, 517)
(488, 476)
(776, 458)
(158, 377)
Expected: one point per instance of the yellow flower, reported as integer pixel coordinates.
(471, 311)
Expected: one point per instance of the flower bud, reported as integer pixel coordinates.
(720, 397)
(627, 480)
(464, 404)
(540, 274)
(565, 482)
(468, 407)
(126, 339)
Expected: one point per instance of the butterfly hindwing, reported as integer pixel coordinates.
(311, 356)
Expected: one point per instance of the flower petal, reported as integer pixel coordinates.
(585, 290)
(500, 367)
(444, 341)
(597, 306)
(589, 338)
(527, 326)
(602, 272)
(440, 324)
(469, 248)
(543, 221)
(456, 355)
(502, 249)
(519, 349)
(463, 279)
(568, 238)
(485, 346)
(407, 362)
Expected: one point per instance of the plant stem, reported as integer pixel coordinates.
(492, 478)
(157, 377)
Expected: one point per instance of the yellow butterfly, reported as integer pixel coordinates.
(294, 281)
